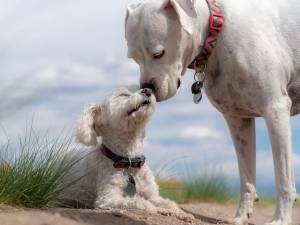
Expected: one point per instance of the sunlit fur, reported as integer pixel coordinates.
(253, 71)
(102, 185)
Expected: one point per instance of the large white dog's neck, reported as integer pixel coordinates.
(127, 144)
(201, 27)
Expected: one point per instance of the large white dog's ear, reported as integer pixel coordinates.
(130, 9)
(85, 132)
(185, 10)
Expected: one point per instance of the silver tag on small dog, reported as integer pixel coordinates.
(131, 187)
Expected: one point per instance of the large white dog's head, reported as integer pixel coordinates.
(159, 38)
(122, 112)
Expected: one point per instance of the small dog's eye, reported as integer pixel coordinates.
(159, 55)
(124, 95)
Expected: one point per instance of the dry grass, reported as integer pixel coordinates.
(210, 187)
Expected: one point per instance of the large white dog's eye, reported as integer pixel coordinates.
(159, 55)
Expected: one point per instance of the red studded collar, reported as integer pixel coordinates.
(216, 24)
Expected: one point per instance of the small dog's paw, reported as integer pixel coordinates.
(177, 213)
(164, 212)
(152, 210)
(186, 217)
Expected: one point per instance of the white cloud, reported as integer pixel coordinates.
(200, 132)
(73, 74)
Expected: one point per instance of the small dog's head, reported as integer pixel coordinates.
(124, 111)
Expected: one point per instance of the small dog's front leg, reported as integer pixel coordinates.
(114, 197)
(120, 202)
(148, 189)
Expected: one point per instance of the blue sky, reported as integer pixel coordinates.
(58, 55)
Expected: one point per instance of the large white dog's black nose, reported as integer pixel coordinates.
(147, 92)
(178, 83)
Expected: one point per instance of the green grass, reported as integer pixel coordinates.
(172, 189)
(31, 172)
(210, 186)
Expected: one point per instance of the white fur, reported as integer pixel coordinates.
(103, 185)
(254, 71)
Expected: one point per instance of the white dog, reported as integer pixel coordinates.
(114, 174)
(254, 71)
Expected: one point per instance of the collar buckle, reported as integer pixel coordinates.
(120, 162)
(137, 162)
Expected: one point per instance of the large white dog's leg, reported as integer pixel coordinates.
(294, 186)
(243, 135)
(277, 117)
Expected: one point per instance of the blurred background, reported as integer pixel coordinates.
(56, 56)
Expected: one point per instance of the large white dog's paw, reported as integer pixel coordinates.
(279, 222)
(239, 221)
(245, 209)
(242, 218)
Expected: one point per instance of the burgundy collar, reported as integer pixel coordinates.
(216, 24)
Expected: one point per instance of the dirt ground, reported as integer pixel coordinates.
(204, 213)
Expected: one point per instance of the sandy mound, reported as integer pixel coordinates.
(205, 214)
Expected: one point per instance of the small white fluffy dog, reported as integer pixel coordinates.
(120, 122)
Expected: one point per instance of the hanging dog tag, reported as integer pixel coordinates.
(197, 98)
(131, 180)
(196, 91)
(131, 187)
(196, 87)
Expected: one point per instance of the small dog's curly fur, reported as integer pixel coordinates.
(120, 122)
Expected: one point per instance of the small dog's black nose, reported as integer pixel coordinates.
(147, 92)
(150, 86)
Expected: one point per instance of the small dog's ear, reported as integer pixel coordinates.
(185, 11)
(86, 133)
